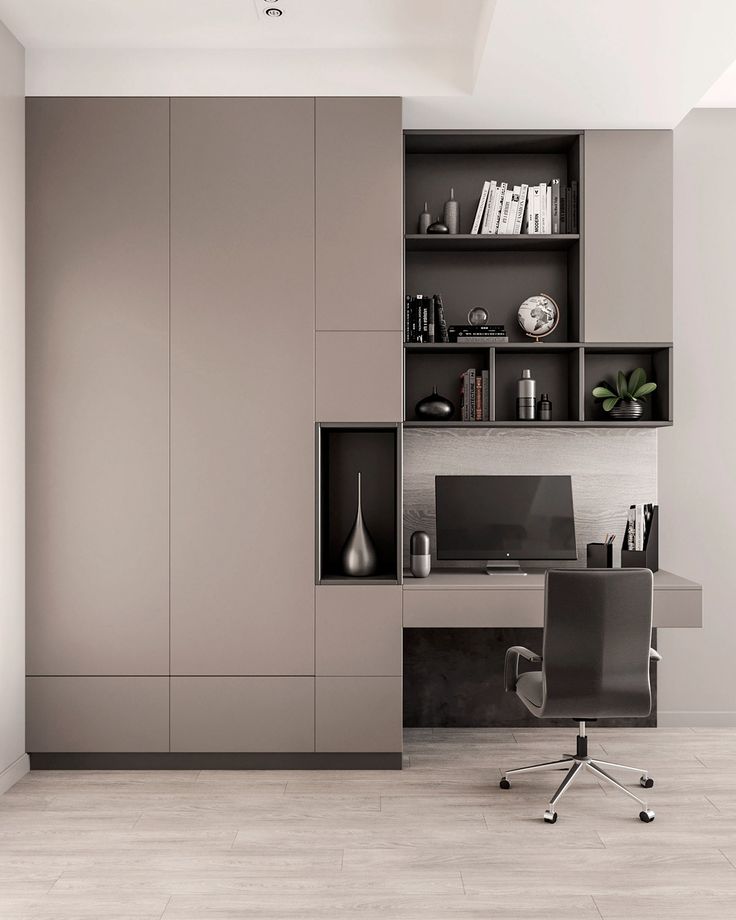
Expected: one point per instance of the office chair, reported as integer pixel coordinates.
(595, 664)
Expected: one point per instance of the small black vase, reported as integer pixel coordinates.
(434, 408)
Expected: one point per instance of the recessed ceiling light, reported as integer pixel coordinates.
(267, 9)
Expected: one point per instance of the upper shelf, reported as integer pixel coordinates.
(487, 242)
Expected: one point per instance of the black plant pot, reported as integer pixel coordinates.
(434, 408)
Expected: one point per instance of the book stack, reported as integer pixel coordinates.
(475, 399)
(478, 335)
(544, 208)
(639, 523)
(424, 318)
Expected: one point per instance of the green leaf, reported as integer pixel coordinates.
(601, 392)
(608, 404)
(623, 390)
(637, 379)
(644, 390)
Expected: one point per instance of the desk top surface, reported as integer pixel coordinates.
(460, 578)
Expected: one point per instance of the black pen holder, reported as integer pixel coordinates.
(600, 555)
(647, 558)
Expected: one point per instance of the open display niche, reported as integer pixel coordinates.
(429, 366)
(495, 272)
(344, 450)
(602, 364)
(556, 373)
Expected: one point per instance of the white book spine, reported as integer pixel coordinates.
(496, 216)
(543, 207)
(555, 205)
(505, 211)
(485, 226)
(639, 533)
(523, 190)
(529, 221)
(513, 209)
(630, 536)
(548, 210)
(481, 207)
(536, 211)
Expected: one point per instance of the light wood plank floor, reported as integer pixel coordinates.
(437, 840)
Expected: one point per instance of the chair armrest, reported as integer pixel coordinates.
(511, 665)
(654, 655)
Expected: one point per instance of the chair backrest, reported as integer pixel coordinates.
(597, 635)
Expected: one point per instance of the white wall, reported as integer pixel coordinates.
(697, 457)
(13, 760)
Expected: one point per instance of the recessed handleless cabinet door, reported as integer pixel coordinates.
(359, 714)
(628, 236)
(359, 630)
(97, 386)
(359, 168)
(97, 714)
(359, 377)
(242, 714)
(242, 386)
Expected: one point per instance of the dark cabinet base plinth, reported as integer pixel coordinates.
(215, 761)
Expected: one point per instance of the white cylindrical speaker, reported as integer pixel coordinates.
(420, 558)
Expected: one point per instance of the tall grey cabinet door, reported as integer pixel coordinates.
(242, 386)
(97, 386)
(359, 200)
(628, 236)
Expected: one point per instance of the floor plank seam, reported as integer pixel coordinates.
(166, 907)
(727, 858)
(462, 882)
(595, 904)
(711, 802)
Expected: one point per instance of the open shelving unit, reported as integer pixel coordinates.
(498, 273)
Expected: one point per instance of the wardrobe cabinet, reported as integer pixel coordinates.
(628, 236)
(97, 386)
(242, 386)
(182, 255)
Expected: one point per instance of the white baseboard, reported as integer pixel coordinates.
(714, 719)
(17, 770)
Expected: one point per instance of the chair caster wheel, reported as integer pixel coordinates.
(550, 817)
(505, 784)
(646, 816)
(647, 782)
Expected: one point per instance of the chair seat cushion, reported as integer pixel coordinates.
(529, 688)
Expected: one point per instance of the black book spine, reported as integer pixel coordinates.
(440, 322)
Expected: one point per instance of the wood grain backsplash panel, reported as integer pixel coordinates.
(610, 470)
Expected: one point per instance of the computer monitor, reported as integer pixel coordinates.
(509, 518)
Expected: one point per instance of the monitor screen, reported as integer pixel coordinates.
(505, 517)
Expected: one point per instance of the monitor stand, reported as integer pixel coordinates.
(504, 567)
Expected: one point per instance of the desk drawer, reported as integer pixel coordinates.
(465, 607)
(682, 607)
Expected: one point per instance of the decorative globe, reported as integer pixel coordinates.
(539, 315)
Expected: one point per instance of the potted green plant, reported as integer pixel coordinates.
(625, 400)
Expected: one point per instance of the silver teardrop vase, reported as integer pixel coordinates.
(358, 552)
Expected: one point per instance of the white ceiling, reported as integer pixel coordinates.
(236, 23)
(457, 63)
(722, 95)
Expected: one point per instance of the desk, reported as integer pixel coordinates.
(472, 599)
